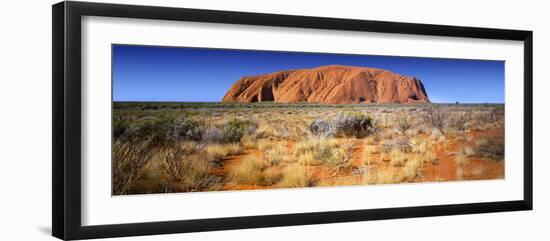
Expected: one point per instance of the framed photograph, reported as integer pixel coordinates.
(169, 120)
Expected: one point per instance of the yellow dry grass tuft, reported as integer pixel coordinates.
(370, 141)
(412, 170)
(295, 175)
(271, 176)
(381, 176)
(419, 146)
(216, 152)
(265, 145)
(307, 158)
(398, 158)
(320, 149)
(249, 142)
(430, 157)
(461, 161)
(248, 171)
(277, 154)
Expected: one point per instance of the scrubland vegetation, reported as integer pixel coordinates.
(189, 147)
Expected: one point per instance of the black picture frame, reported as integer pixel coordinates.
(66, 76)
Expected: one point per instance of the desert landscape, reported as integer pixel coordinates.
(314, 127)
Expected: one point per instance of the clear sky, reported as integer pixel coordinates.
(149, 73)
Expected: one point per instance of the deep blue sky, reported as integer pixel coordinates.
(149, 73)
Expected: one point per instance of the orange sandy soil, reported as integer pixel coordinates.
(445, 169)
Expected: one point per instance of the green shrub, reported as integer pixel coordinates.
(235, 129)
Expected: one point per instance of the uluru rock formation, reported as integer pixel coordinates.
(334, 84)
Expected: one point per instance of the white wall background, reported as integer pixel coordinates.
(25, 122)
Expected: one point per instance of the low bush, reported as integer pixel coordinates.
(187, 130)
(403, 124)
(321, 128)
(352, 124)
(213, 135)
(235, 129)
(437, 116)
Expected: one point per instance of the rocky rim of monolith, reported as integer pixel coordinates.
(332, 84)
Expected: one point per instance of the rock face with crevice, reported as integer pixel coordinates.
(333, 84)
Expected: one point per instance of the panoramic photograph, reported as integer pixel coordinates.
(201, 119)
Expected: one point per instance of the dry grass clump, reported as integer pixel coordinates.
(295, 175)
(248, 171)
(270, 130)
(342, 158)
(403, 124)
(381, 176)
(469, 151)
(489, 148)
(184, 168)
(249, 142)
(334, 142)
(385, 157)
(371, 149)
(412, 170)
(419, 145)
(413, 132)
(430, 157)
(370, 141)
(128, 161)
(276, 155)
(264, 144)
(367, 151)
(308, 159)
(461, 161)
(479, 170)
(436, 135)
(339, 182)
(387, 134)
(216, 152)
(271, 176)
(234, 149)
(319, 148)
(398, 158)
